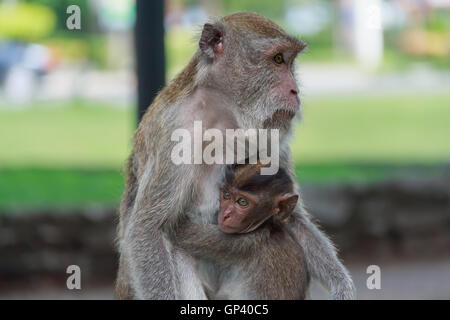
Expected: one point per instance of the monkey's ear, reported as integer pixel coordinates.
(211, 40)
(286, 204)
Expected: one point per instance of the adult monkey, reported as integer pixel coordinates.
(242, 76)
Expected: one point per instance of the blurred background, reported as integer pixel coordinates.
(372, 152)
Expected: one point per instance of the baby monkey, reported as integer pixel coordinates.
(248, 199)
(256, 256)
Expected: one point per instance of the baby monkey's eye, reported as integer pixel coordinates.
(278, 58)
(226, 195)
(242, 202)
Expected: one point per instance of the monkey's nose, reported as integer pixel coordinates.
(293, 91)
(227, 215)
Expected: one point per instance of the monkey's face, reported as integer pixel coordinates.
(242, 212)
(267, 91)
(251, 60)
(239, 211)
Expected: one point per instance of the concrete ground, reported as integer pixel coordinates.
(399, 280)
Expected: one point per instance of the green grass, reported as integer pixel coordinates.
(389, 129)
(78, 134)
(23, 189)
(71, 155)
(378, 129)
(331, 173)
(34, 189)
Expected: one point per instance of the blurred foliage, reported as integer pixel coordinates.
(429, 49)
(26, 21)
(97, 50)
(438, 21)
(44, 21)
(320, 46)
(35, 19)
(394, 60)
(180, 46)
(71, 49)
(269, 8)
(75, 49)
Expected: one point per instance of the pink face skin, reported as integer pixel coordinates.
(287, 82)
(240, 211)
(282, 58)
(236, 213)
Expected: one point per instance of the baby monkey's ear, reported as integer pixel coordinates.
(285, 205)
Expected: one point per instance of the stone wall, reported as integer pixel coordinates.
(39, 246)
(408, 218)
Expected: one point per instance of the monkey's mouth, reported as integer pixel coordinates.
(283, 114)
(280, 119)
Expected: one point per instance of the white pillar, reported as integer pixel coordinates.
(368, 33)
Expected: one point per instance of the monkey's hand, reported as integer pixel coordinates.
(345, 290)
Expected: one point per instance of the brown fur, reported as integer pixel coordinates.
(243, 174)
(123, 290)
(261, 26)
(268, 260)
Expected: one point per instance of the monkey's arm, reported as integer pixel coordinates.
(320, 255)
(208, 241)
(321, 259)
(160, 198)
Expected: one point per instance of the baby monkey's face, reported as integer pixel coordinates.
(242, 211)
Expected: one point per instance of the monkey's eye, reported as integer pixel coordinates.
(242, 202)
(226, 195)
(278, 58)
